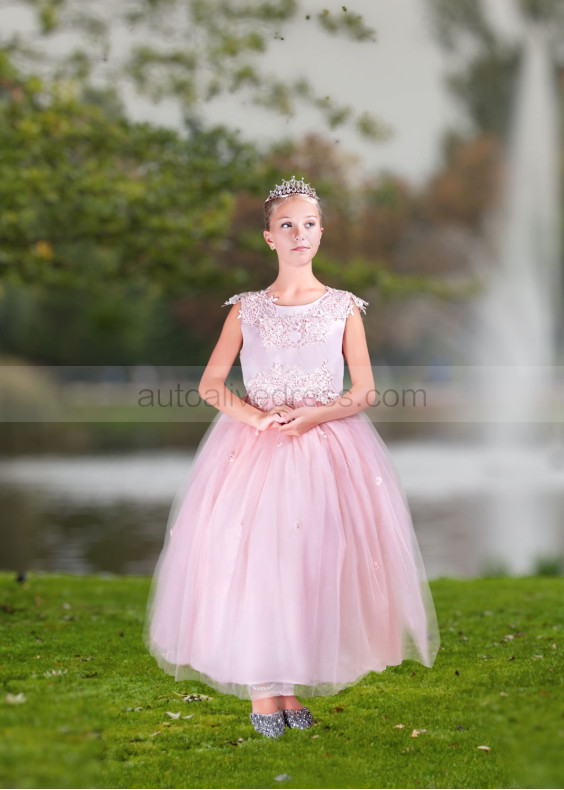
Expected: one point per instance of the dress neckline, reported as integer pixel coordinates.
(307, 304)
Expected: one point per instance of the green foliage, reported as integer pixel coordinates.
(549, 565)
(548, 11)
(89, 198)
(486, 89)
(346, 22)
(454, 21)
(106, 221)
(195, 50)
(362, 273)
(83, 703)
(484, 81)
(122, 324)
(118, 238)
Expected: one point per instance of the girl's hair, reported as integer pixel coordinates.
(270, 206)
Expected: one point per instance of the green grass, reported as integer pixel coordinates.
(95, 702)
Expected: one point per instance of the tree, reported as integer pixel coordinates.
(485, 65)
(192, 50)
(89, 199)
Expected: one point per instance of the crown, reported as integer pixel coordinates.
(292, 187)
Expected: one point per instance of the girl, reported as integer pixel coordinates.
(290, 562)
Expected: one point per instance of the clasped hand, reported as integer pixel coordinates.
(287, 420)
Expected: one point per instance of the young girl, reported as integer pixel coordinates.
(290, 562)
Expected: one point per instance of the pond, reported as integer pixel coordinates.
(107, 513)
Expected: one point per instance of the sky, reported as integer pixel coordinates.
(399, 78)
(396, 78)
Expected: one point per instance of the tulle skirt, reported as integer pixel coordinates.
(290, 560)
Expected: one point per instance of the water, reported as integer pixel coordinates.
(519, 314)
(518, 319)
(108, 513)
(498, 501)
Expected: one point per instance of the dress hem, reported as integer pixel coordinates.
(241, 689)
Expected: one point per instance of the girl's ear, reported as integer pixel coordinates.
(268, 238)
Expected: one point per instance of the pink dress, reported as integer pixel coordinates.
(290, 558)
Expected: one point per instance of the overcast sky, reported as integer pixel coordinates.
(399, 78)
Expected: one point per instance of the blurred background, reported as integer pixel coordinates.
(138, 142)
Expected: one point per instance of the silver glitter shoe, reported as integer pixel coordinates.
(299, 719)
(273, 725)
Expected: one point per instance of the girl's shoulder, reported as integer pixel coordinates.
(353, 299)
(251, 304)
(344, 301)
(239, 297)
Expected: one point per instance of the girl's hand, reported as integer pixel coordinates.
(300, 421)
(275, 415)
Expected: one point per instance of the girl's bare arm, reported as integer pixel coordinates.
(361, 394)
(212, 384)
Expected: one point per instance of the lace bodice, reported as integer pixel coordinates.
(293, 353)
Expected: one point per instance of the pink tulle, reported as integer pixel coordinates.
(290, 559)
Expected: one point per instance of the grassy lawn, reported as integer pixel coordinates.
(83, 704)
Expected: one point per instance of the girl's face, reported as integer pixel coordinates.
(295, 230)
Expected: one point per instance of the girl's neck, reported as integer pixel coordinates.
(290, 289)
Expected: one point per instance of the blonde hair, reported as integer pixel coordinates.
(270, 206)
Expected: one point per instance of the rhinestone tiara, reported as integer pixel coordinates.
(292, 187)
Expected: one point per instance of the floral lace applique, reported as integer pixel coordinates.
(291, 384)
(360, 303)
(294, 330)
(237, 298)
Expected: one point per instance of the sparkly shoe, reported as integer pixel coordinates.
(299, 719)
(273, 725)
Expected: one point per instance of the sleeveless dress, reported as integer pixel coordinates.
(290, 558)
